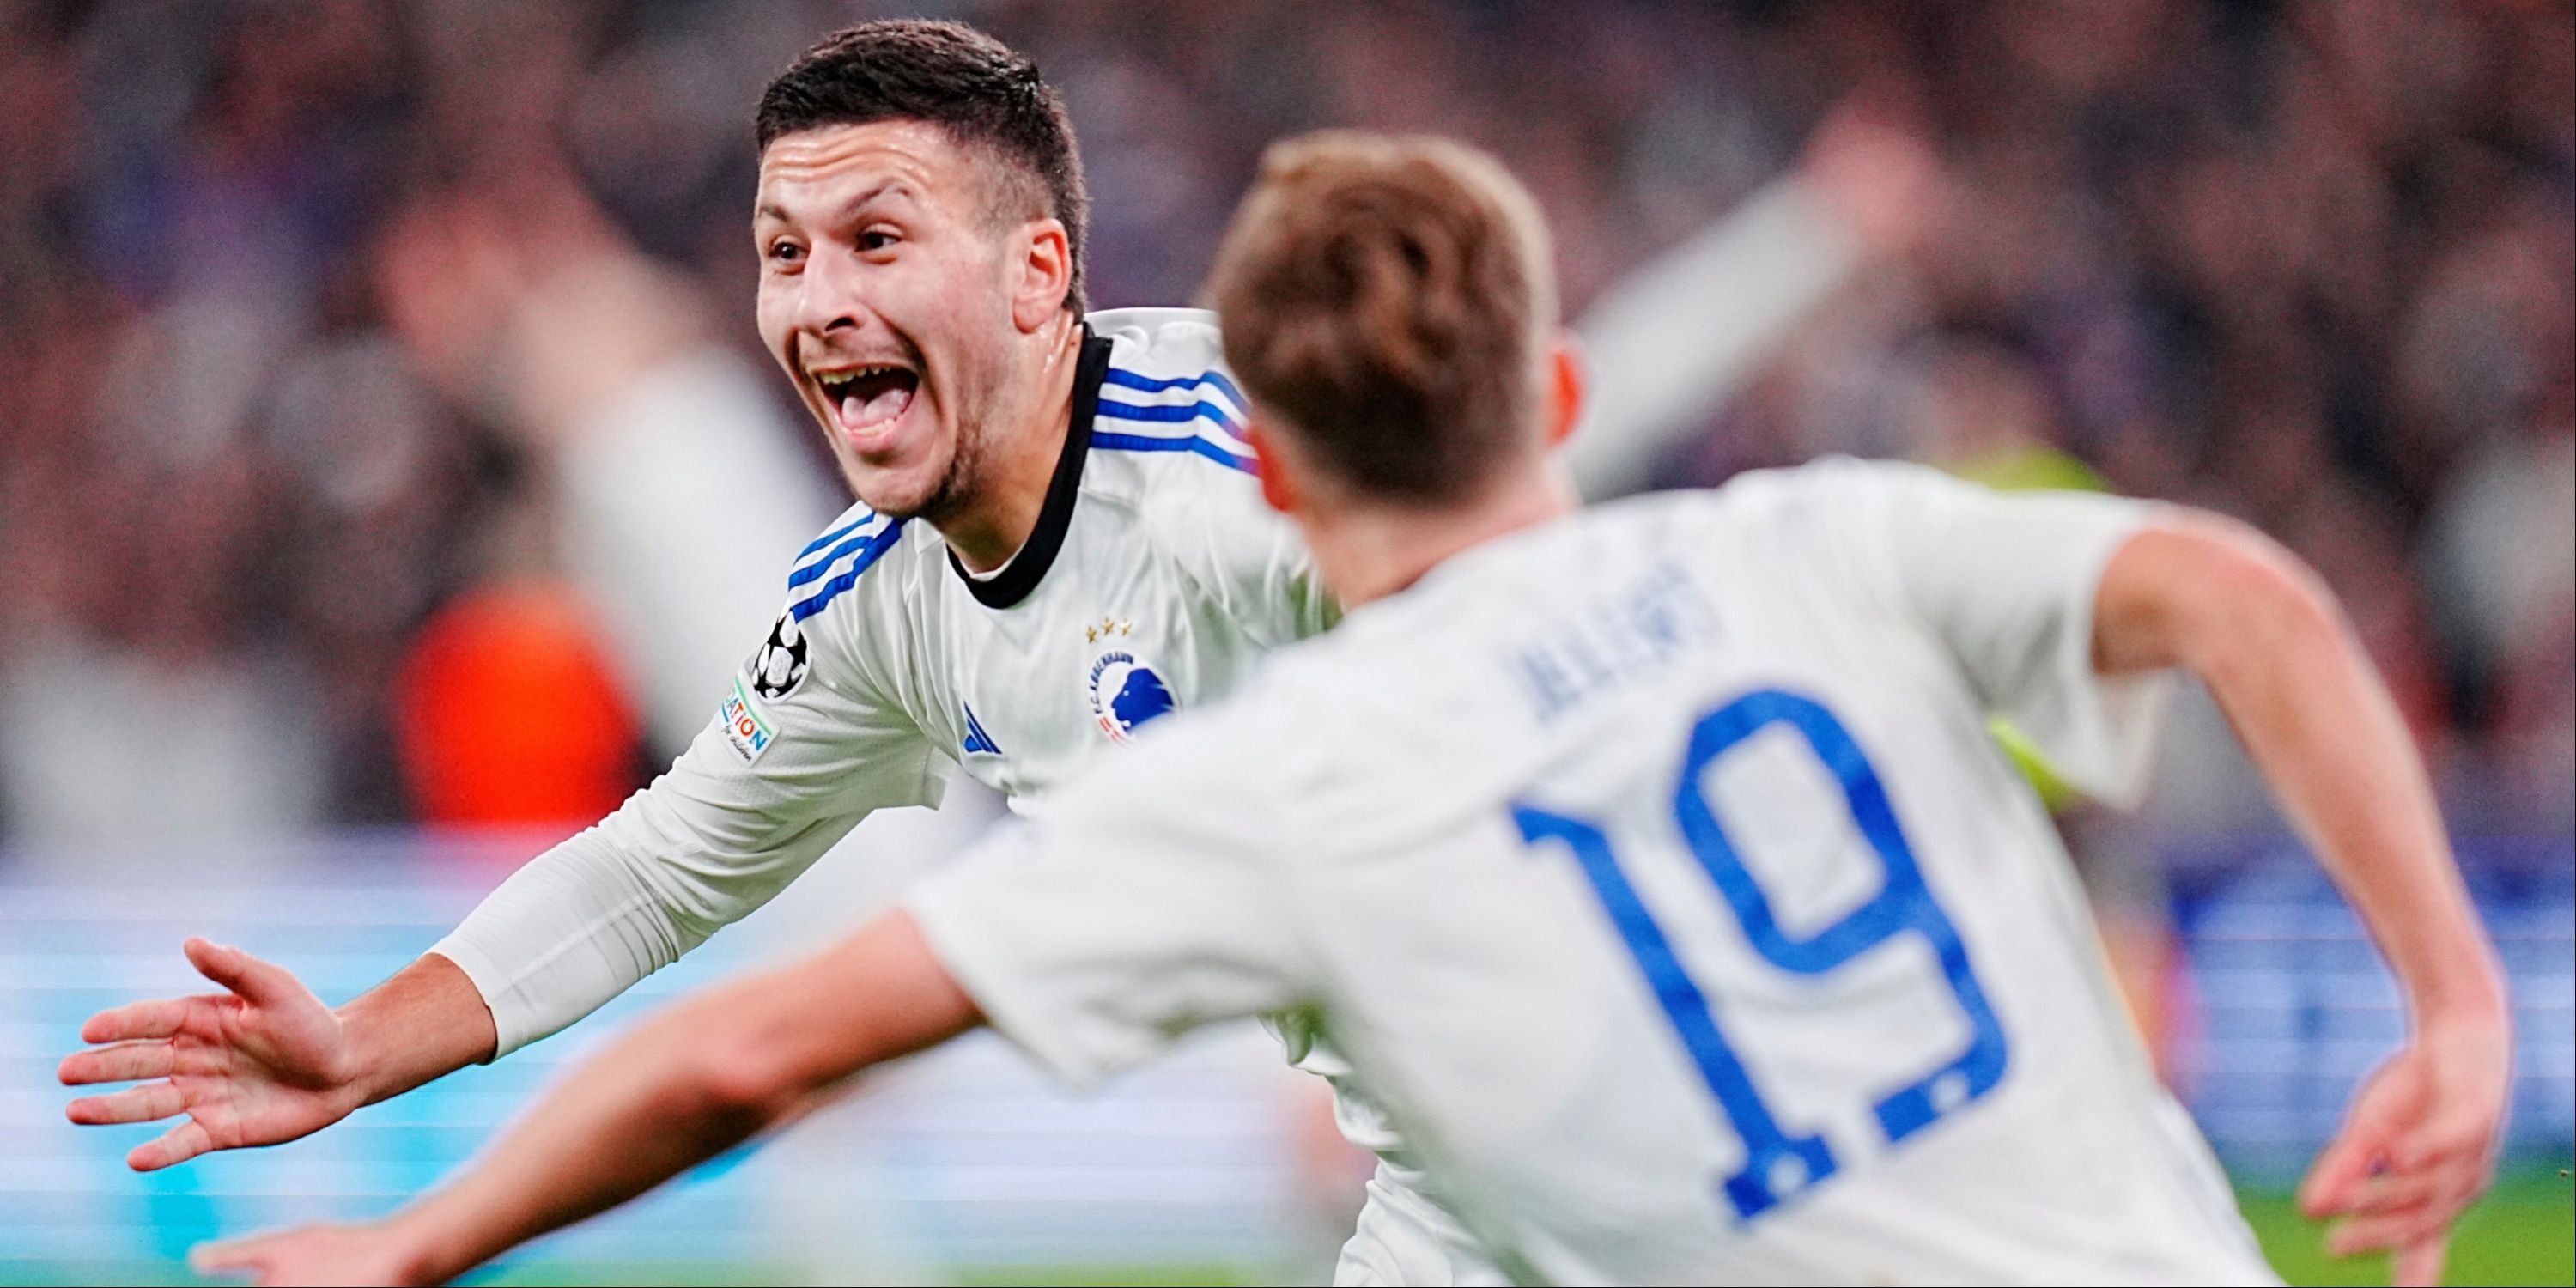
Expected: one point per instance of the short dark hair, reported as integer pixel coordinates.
(1391, 298)
(984, 93)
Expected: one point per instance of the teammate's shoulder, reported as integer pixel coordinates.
(838, 560)
(1150, 338)
(1827, 488)
(1166, 393)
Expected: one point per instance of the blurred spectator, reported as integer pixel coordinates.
(510, 717)
(317, 317)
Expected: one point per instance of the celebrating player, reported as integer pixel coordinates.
(920, 219)
(1058, 541)
(1652, 864)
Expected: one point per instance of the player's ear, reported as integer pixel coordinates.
(1277, 491)
(1566, 384)
(1046, 273)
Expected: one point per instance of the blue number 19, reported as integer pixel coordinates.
(1776, 1163)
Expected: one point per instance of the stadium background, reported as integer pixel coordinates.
(381, 430)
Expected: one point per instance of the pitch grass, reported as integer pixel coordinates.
(2523, 1232)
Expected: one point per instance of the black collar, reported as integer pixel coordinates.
(1037, 555)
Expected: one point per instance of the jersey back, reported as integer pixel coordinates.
(1657, 873)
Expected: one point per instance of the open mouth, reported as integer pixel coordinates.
(868, 399)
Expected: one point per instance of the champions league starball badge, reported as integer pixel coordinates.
(780, 665)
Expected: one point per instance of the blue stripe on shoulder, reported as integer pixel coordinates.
(1173, 413)
(871, 548)
(1148, 443)
(832, 536)
(809, 572)
(1147, 384)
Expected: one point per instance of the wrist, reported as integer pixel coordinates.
(423, 1246)
(354, 1073)
(411, 1256)
(2469, 995)
(426, 1022)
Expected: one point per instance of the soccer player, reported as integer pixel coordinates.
(1653, 865)
(1058, 541)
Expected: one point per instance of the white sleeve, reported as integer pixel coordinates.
(745, 810)
(1672, 339)
(1146, 900)
(2005, 582)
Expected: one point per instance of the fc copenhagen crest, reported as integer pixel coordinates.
(1125, 690)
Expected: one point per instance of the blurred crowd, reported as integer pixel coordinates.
(298, 299)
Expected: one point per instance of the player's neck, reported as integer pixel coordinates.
(1020, 456)
(1367, 553)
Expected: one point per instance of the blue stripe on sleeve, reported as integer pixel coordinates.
(1147, 384)
(816, 569)
(1172, 414)
(1147, 443)
(871, 548)
(832, 536)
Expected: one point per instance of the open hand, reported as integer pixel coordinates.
(2417, 1146)
(261, 1063)
(313, 1254)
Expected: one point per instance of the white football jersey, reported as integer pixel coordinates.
(1658, 874)
(1155, 579)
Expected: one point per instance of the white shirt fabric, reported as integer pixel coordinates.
(1656, 871)
(1157, 579)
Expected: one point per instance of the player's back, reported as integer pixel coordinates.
(1656, 869)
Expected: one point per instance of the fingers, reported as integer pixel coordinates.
(227, 1256)
(2386, 1231)
(123, 1062)
(2458, 1137)
(256, 981)
(2393, 1193)
(152, 1100)
(138, 1020)
(2339, 1177)
(252, 1256)
(2420, 1262)
(177, 1145)
(2404, 1212)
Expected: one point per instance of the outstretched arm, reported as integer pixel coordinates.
(700, 1078)
(2276, 653)
(707, 843)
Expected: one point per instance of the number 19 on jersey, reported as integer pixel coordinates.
(1778, 1164)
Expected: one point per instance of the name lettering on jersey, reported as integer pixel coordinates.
(1125, 692)
(744, 726)
(1625, 635)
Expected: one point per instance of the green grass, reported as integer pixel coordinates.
(2522, 1233)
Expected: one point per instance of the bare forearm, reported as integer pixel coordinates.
(640, 1114)
(2328, 739)
(707, 1075)
(424, 1023)
(2285, 667)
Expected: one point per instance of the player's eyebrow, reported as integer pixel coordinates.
(772, 211)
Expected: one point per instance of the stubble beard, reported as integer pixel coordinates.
(954, 493)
